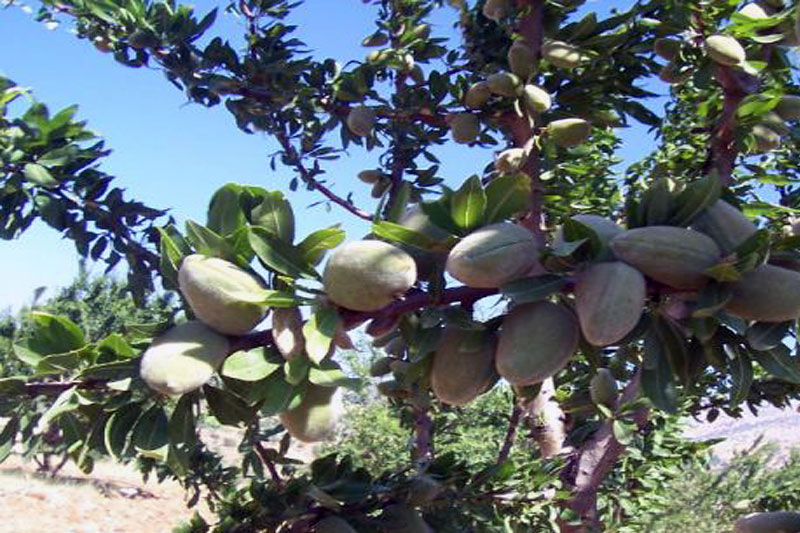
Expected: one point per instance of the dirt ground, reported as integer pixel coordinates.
(112, 499)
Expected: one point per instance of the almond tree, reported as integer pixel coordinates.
(672, 287)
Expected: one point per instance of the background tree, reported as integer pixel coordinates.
(618, 295)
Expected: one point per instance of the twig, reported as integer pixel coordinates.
(263, 454)
(416, 300)
(57, 387)
(423, 440)
(511, 432)
(293, 159)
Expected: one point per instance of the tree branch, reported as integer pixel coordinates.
(293, 159)
(511, 432)
(736, 86)
(547, 420)
(263, 454)
(595, 460)
(521, 128)
(423, 439)
(57, 387)
(416, 300)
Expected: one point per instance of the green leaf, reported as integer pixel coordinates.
(623, 431)
(7, 437)
(116, 344)
(314, 246)
(277, 395)
(61, 362)
(173, 248)
(403, 235)
(275, 214)
(39, 175)
(151, 432)
(673, 346)
(741, 370)
(27, 356)
(296, 369)
(779, 363)
(506, 196)
(207, 242)
(695, 198)
(657, 383)
(250, 365)
(280, 256)
(227, 408)
(439, 213)
(533, 289)
(225, 214)
(763, 336)
(753, 252)
(319, 331)
(657, 203)
(181, 428)
(54, 334)
(330, 374)
(65, 402)
(711, 299)
(118, 426)
(469, 204)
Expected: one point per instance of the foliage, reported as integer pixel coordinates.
(711, 499)
(689, 353)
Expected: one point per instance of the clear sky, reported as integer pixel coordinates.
(172, 154)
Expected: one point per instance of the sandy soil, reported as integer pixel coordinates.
(112, 499)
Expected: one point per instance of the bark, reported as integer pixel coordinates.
(547, 421)
(594, 461)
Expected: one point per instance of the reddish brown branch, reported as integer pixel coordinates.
(57, 387)
(511, 433)
(293, 159)
(736, 86)
(423, 439)
(417, 300)
(595, 460)
(521, 127)
(263, 454)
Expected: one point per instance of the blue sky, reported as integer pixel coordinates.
(171, 154)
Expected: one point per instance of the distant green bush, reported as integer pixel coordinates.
(711, 500)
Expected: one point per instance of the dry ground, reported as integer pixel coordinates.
(112, 499)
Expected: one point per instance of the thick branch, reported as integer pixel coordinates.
(597, 458)
(736, 85)
(521, 128)
(547, 421)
